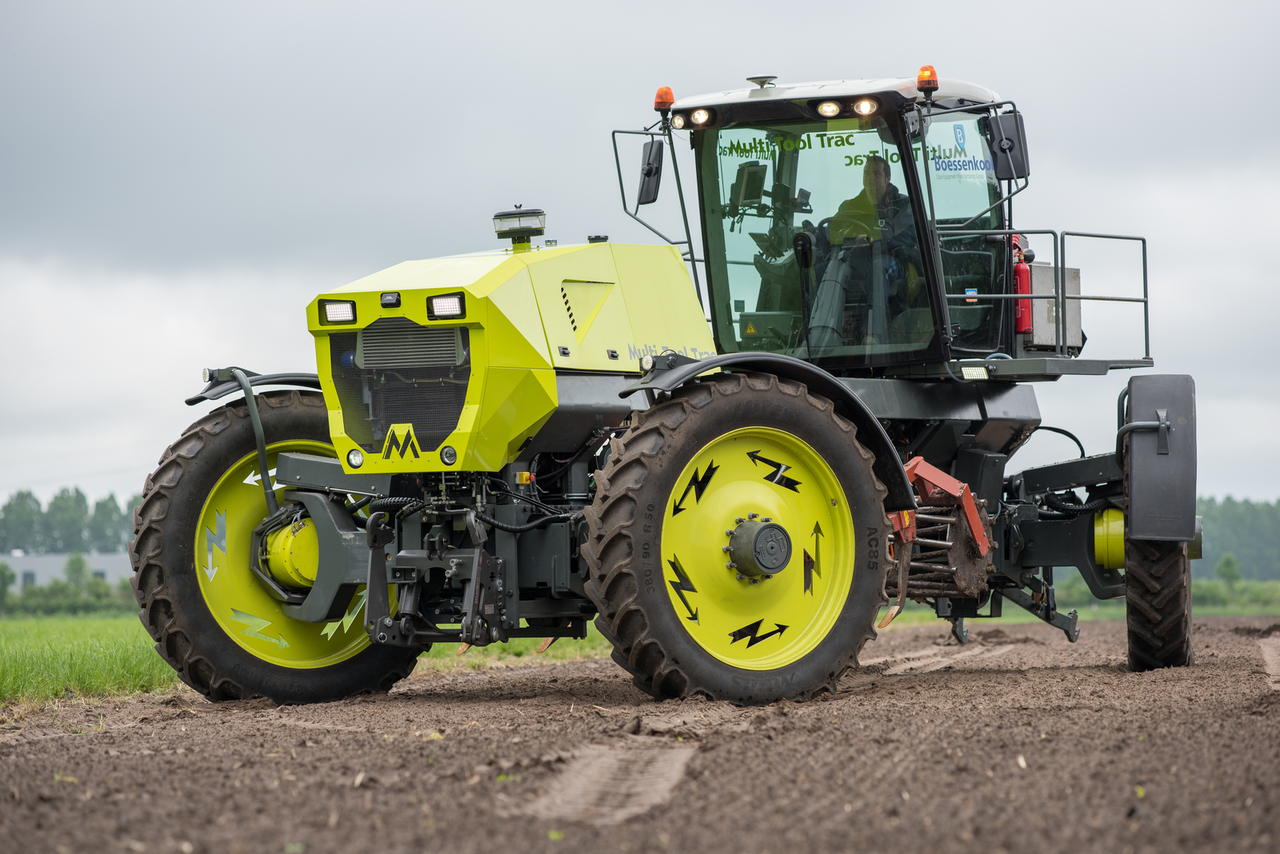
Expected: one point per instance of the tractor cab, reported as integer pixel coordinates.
(865, 226)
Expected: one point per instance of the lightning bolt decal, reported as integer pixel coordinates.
(215, 537)
(347, 619)
(682, 586)
(749, 633)
(813, 565)
(698, 484)
(255, 627)
(779, 471)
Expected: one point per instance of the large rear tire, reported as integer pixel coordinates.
(212, 620)
(731, 459)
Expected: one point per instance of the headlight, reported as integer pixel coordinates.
(865, 107)
(355, 459)
(446, 306)
(701, 117)
(829, 109)
(343, 311)
(677, 121)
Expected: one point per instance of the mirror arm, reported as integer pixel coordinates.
(665, 133)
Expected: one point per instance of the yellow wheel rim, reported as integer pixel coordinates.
(776, 621)
(234, 595)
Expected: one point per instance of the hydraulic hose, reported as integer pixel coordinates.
(541, 522)
(1076, 509)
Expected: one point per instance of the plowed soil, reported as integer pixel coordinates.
(1016, 741)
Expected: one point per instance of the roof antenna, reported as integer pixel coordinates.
(764, 82)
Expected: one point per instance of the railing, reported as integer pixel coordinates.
(1059, 295)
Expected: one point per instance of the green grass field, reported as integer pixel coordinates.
(51, 658)
(42, 659)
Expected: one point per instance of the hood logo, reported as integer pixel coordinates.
(959, 129)
(400, 440)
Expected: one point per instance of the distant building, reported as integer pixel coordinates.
(39, 570)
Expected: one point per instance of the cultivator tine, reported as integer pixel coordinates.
(904, 532)
(546, 644)
(904, 565)
(463, 648)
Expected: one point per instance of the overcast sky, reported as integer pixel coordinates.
(178, 181)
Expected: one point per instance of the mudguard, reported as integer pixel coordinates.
(1161, 460)
(671, 371)
(220, 384)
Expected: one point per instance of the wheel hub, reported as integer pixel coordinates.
(758, 548)
(293, 554)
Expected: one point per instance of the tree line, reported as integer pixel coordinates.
(66, 525)
(1248, 531)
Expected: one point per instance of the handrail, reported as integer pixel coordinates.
(1059, 295)
(1146, 313)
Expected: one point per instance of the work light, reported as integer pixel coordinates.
(343, 311)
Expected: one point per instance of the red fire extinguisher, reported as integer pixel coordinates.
(1021, 285)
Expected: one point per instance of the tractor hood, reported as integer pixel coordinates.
(406, 375)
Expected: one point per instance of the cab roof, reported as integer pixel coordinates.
(904, 86)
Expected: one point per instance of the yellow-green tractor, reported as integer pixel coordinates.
(512, 443)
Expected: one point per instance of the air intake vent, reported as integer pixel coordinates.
(397, 343)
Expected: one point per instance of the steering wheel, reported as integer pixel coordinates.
(858, 228)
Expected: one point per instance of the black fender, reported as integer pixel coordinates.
(670, 371)
(220, 383)
(1161, 462)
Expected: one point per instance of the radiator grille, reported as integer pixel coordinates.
(398, 372)
(397, 342)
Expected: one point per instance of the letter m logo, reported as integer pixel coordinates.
(400, 440)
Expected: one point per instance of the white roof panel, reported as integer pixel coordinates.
(906, 86)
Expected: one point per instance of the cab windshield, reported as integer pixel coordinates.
(965, 192)
(857, 296)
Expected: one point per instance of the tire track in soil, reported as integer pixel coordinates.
(929, 665)
(1271, 660)
(608, 784)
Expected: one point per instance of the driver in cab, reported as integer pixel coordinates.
(872, 273)
(879, 212)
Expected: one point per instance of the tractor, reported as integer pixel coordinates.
(733, 484)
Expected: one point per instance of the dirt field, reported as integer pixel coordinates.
(1017, 741)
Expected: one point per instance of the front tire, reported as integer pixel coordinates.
(211, 619)
(682, 485)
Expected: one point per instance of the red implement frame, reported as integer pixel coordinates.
(932, 482)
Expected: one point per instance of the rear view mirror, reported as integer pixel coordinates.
(650, 172)
(1007, 137)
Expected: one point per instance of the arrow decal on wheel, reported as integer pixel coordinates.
(215, 538)
(779, 471)
(683, 586)
(256, 625)
(813, 565)
(748, 633)
(698, 485)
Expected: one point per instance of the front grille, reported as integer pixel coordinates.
(393, 343)
(397, 372)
